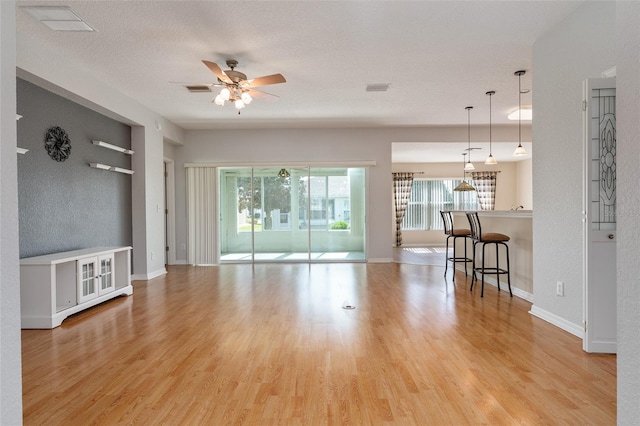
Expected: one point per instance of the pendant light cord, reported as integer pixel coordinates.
(519, 111)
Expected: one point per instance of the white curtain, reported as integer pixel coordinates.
(201, 217)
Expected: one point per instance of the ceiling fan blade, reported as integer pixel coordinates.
(217, 71)
(263, 96)
(266, 80)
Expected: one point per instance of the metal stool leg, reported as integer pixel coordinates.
(446, 256)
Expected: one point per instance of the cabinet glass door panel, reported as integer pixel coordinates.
(106, 274)
(87, 279)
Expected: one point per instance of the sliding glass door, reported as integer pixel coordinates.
(292, 214)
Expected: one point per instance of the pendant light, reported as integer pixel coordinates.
(469, 165)
(490, 159)
(464, 186)
(520, 149)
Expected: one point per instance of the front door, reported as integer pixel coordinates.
(600, 216)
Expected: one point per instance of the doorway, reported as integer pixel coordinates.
(292, 214)
(600, 288)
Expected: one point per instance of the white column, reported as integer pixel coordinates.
(10, 362)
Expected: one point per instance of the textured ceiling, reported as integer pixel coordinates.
(438, 56)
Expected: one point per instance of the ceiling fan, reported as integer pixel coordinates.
(236, 87)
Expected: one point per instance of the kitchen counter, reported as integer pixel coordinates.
(517, 224)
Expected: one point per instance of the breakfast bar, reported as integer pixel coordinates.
(517, 224)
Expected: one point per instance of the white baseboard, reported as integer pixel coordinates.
(179, 262)
(559, 322)
(149, 276)
(515, 290)
(380, 260)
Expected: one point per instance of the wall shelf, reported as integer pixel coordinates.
(113, 147)
(111, 168)
(21, 150)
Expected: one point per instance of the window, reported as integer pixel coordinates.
(428, 197)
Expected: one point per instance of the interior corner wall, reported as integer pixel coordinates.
(580, 47)
(68, 205)
(628, 176)
(10, 362)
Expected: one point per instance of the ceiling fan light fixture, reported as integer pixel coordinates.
(246, 98)
(283, 173)
(239, 104)
(225, 94)
(218, 100)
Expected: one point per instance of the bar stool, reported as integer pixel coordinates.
(455, 234)
(488, 238)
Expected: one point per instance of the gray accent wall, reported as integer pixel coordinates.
(69, 205)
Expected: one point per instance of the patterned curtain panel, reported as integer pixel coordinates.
(485, 183)
(201, 218)
(401, 193)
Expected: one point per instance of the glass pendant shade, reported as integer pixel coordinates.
(519, 151)
(469, 166)
(490, 160)
(464, 186)
(225, 94)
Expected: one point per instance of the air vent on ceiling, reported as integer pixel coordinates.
(378, 87)
(58, 18)
(198, 88)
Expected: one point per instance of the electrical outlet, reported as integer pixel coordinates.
(560, 288)
(183, 247)
(153, 256)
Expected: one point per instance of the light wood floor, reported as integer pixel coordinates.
(271, 344)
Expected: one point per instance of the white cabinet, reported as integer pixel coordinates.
(87, 279)
(54, 286)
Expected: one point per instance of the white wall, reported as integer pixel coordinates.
(580, 47)
(10, 363)
(628, 158)
(524, 184)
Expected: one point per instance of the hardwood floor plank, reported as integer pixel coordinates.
(271, 344)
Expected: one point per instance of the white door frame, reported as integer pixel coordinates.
(599, 286)
(170, 206)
